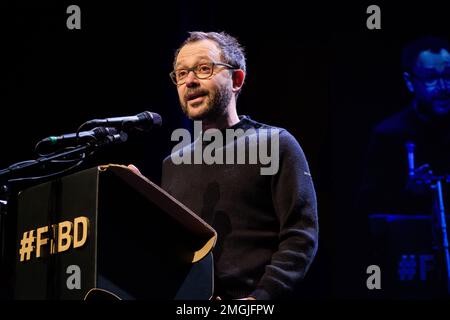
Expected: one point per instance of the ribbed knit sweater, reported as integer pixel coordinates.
(267, 224)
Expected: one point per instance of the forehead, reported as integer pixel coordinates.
(195, 51)
(433, 60)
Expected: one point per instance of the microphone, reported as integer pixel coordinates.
(410, 146)
(143, 121)
(70, 138)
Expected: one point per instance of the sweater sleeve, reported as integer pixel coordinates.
(294, 201)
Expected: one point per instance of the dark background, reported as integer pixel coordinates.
(314, 69)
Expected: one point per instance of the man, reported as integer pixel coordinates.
(266, 223)
(425, 123)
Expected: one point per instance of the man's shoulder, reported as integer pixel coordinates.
(252, 124)
(286, 141)
(398, 123)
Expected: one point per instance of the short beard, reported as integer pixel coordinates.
(427, 109)
(216, 108)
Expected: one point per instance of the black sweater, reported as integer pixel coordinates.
(267, 224)
(385, 187)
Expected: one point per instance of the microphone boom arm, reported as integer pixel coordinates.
(89, 146)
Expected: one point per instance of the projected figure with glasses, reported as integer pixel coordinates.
(408, 167)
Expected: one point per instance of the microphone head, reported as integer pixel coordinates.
(410, 146)
(143, 121)
(157, 120)
(148, 120)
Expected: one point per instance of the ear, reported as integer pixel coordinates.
(408, 81)
(238, 80)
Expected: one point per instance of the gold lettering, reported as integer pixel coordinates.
(84, 222)
(64, 229)
(40, 241)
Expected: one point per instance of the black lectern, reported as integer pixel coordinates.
(107, 232)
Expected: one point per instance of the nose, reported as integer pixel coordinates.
(191, 79)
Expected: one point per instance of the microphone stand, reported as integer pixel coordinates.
(441, 225)
(13, 170)
(425, 176)
(89, 146)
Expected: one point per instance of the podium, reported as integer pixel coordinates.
(404, 246)
(109, 233)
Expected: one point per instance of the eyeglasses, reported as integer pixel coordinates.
(201, 71)
(432, 79)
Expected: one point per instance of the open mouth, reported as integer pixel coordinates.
(195, 96)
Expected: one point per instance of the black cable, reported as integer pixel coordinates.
(52, 174)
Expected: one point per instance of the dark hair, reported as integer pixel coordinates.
(231, 51)
(412, 50)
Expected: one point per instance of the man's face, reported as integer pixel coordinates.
(430, 81)
(203, 99)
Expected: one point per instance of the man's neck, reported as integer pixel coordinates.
(422, 116)
(227, 120)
